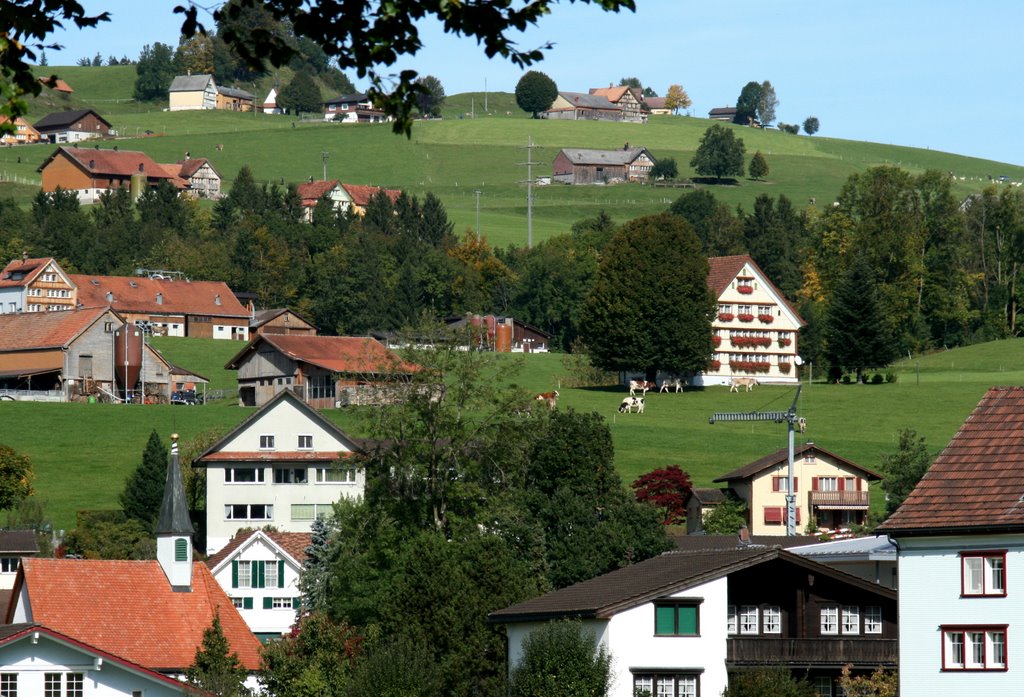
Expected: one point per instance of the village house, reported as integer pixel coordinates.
(344, 198)
(270, 103)
(279, 320)
(960, 536)
(14, 544)
(201, 176)
(232, 99)
(656, 105)
(586, 166)
(723, 113)
(35, 285)
(679, 624)
(191, 92)
(24, 133)
(353, 108)
(579, 106)
(629, 99)
(283, 466)
(91, 171)
(57, 85)
(73, 126)
(503, 334)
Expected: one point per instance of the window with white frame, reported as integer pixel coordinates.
(873, 619)
(9, 565)
(270, 575)
(266, 441)
(282, 604)
(305, 441)
(829, 619)
(665, 685)
(731, 626)
(983, 573)
(244, 475)
(335, 475)
(310, 511)
(8, 685)
(748, 619)
(249, 511)
(974, 647)
(851, 619)
(244, 575)
(239, 603)
(290, 475)
(771, 619)
(828, 483)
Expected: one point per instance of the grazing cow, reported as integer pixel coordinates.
(641, 385)
(630, 403)
(736, 383)
(549, 398)
(801, 423)
(677, 383)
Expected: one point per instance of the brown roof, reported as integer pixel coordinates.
(57, 85)
(707, 497)
(722, 271)
(977, 482)
(613, 94)
(694, 543)
(361, 194)
(30, 267)
(38, 330)
(18, 542)
(117, 163)
(781, 457)
(139, 294)
(294, 544)
(311, 192)
(340, 354)
(186, 168)
(130, 609)
(261, 317)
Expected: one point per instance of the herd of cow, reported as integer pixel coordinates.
(633, 403)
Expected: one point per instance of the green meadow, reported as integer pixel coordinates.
(83, 453)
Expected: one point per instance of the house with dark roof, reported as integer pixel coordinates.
(14, 544)
(580, 106)
(679, 624)
(960, 541)
(73, 126)
(830, 490)
(280, 320)
(587, 166)
(259, 570)
(723, 113)
(324, 371)
(191, 92)
(91, 171)
(232, 99)
(283, 466)
(353, 108)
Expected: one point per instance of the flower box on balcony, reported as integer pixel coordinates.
(767, 319)
(745, 290)
(749, 366)
(751, 341)
(745, 317)
(785, 342)
(714, 366)
(716, 341)
(726, 316)
(785, 367)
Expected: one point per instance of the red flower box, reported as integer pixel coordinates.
(744, 317)
(714, 365)
(750, 366)
(716, 340)
(746, 290)
(785, 342)
(726, 316)
(751, 341)
(767, 319)
(784, 367)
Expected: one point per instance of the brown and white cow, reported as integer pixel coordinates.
(629, 404)
(748, 383)
(676, 383)
(642, 385)
(549, 398)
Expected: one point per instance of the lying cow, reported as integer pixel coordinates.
(677, 383)
(630, 403)
(642, 385)
(737, 383)
(549, 398)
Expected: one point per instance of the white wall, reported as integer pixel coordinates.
(260, 620)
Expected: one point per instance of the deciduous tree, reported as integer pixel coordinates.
(666, 489)
(767, 102)
(904, 468)
(431, 96)
(665, 168)
(811, 125)
(15, 477)
(216, 669)
(719, 154)
(301, 95)
(748, 103)
(561, 659)
(155, 72)
(726, 518)
(676, 98)
(316, 658)
(881, 683)
(535, 92)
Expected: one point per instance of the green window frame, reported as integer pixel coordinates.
(677, 618)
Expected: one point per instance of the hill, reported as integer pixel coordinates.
(453, 157)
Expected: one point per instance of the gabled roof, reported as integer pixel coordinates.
(140, 294)
(57, 85)
(47, 330)
(117, 163)
(311, 192)
(190, 83)
(659, 577)
(781, 457)
(589, 101)
(851, 549)
(707, 497)
(614, 94)
(236, 93)
(585, 156)
(261, 317)
(63, 119)
(191, 166)
(722, 271)
(702, 542)
(339, 354)
(655, 102)
(976, 484)
(28, 269)
(18, 542)
(129, 609)
(355, 98)
(361, 194)
(729, 111)
(290, 544)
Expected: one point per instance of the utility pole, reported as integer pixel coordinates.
(323, 156)
(529, 190)
(477, 192)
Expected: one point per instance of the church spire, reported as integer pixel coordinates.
(174, 529)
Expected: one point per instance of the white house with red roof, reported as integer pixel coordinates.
(345, 198)
(35, 285)
(283, 466)
(259, 570)
(960, 542)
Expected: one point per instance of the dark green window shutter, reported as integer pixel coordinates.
(234, 574)
(268, 603)
(280, 573)
(247, 603)
(181, 549)
(260, 583)
(665, 620)
(687, 621)
(295, 603)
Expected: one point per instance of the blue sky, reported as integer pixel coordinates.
(932, 74)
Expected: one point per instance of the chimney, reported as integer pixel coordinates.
(24, 257)
(744, 536)
(216, 299)
(92, 164)
(159, 298)
(110, 296)
(142, 166)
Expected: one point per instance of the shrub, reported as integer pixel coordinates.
(890, 375)
(877, 379)
(847, 380)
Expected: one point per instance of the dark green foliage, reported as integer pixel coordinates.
(144, 489)
(857, 336)
(776, 236)
(904, 468)
(216, 669)
(535, 92)
(650, 307)
(15, 477)
(719, 154)
(811, 125)
(301, 95)
(317, 658)
(770, 681)
(155, 71)
(758, 166)
(396, 667)
(109, 535)
(792, 128)
(313, 581)
(747, 104)
(720, 232)
(665, 168)
(727, 517)
(431, 97)
(562, 660)
(594, 233)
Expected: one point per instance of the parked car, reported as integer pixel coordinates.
(188, 397)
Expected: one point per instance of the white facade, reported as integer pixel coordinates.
(935, 604)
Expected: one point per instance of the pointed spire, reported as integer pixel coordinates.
(174, 518)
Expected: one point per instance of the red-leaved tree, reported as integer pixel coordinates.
(666, 489)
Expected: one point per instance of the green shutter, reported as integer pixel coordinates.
(295, 604)
(181, 549)
(260, 583)
(268, 603)
(234, 574)
(247, 603)
(665, 619)
(687, 620)
(280, 573)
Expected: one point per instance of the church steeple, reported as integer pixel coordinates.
(174, 529)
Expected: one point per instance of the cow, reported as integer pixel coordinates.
(677, 383)
(801, 423)
(641, 385)
(549, 398)
(736, 383)
(630, 403)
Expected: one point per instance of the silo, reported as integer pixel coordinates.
(127, 357)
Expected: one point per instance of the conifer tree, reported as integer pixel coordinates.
(312, 583)
(216, 669)
(857, 335)
(145, 487)
(758, 166)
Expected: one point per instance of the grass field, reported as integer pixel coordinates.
(83, 453)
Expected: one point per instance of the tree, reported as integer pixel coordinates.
(431, 96)
(881, 683)
(726, 518)
(195, 55)
(155, 72)
(562, 660)
(15, 477)
(315, 659)
(676, 98)
(904, 468)
(811, 125)
(719, 154)
(748, 103)
(758, 166)
(769, 681)
(714, 222)
(766, 104)
(313, 581)
(665, 168)
(856, 333)
(666, 489)
(110, 535)
(662, 323)
(144, 489)
(215, 668)
(301, 95)
(535, 92)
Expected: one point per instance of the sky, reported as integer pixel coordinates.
(932, 74)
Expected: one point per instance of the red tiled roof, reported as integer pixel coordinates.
(37, 330)
(119, 163)
(977, 481)
(129, 609)
(361, 194)
(613, 94)
(293, 543)
(31, 267)
(139, 294)
(781, 457)
(186, 168)
(341, 354)
(311, 192)
(58, 85)
(722, 271)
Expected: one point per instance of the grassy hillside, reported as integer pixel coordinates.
(90, 449)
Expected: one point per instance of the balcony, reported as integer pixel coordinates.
(818, 652)
(846, 500)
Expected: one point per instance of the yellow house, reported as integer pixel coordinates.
(832, 493)
(191, 92)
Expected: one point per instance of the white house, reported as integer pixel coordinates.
(960, 536)
(259, 570)
(283, 466)
(678, 624)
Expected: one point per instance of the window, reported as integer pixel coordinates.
(730, 620)
(873, 619)
(823, 686)
(257, 574)
(772, 619)
(983, 573)
(851, 619)
(335, 475)
(676, 619)
(748, 619)
(249, 511)
(281, 603)
(181, 549)
(310, 511)
(292, 475)
(829, 619)
(239, 603)
(51, 684)
(665, 685)
(243, 576)
(8, 685)
(782, 484)
(270, 575)
(974, 648)
(305, 441)
(8, 565)
(828, 483)
(266, 441)
(322, 387)
(244, 475)
(74, 683)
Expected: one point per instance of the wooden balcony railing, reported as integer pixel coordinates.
(838, 498)
(819, 651)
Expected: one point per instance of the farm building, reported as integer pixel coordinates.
(73, 126)
(584, 166)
